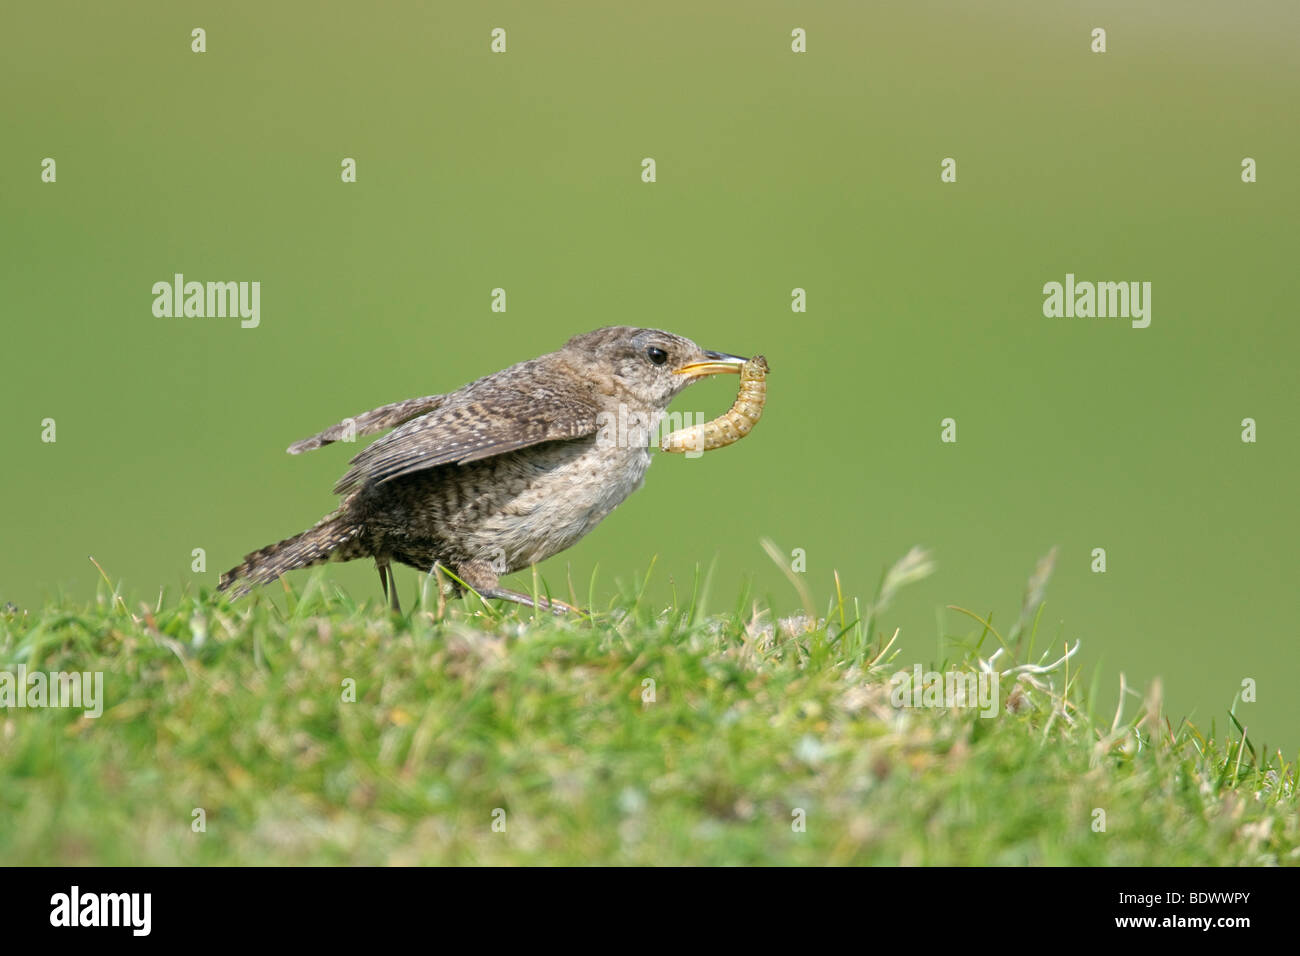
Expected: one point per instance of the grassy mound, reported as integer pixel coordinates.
(316, 730)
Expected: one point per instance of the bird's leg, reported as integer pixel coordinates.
(480, 576)
(388, 580)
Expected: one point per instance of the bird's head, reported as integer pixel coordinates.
(650, 364)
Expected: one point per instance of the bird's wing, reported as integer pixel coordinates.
(375, 420)
(470, 426)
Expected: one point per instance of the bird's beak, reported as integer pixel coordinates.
(715, 363)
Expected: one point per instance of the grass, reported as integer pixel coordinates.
(465, 717)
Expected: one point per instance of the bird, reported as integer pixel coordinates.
(499, 474)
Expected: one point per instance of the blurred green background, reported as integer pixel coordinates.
(775, 171)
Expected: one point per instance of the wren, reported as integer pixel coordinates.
(499, 474)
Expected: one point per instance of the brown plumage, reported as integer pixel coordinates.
(500, 474)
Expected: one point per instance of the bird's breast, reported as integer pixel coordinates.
(565, 490)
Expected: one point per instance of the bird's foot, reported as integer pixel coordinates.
(554, 605)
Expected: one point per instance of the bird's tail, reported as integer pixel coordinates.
(333, 538)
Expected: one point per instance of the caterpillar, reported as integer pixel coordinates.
(733, 424)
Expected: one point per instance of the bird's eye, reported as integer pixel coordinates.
(658, 356)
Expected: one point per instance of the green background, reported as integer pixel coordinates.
(775, 170)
